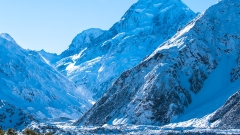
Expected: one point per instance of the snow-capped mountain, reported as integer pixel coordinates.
(28, 82)
(189, 76)
(96, 58)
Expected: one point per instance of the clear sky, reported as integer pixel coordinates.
(52, 24)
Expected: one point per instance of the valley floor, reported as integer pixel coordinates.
(172, 129)
(70, 130)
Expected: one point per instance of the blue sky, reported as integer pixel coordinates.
(52, 24)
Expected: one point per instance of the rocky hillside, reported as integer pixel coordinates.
(196, 69)
(30, 84)
(13, 117)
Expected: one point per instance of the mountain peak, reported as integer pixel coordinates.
(144, 12)
(82, 40)
(86, 35)
(7, 37)
(156, 1)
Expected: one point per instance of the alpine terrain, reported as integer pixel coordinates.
(189, 76)
(96, 58)
(161, 69)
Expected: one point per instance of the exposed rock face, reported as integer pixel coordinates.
(158, 89)
(96, 64)
(228, 115)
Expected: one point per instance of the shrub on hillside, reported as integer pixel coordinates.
(11, 131)
(48, 133)
(30, 132)
(1, 132)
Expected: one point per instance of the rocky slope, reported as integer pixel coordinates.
(95, 62)
(193, 73)
(227, 116)
(13, 117)
(29, 83)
